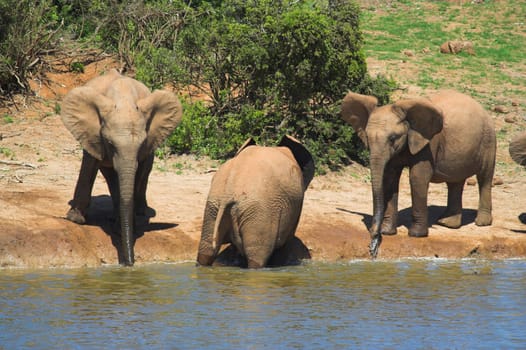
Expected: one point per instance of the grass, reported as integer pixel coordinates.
(7, 152)
(494, 75)
(8, 119)
(497, 30)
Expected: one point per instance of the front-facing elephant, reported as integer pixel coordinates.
(447, 137)
(255, 201)
(119, 124)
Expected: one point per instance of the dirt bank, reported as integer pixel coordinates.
(39, 162)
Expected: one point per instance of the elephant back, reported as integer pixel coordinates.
(264, 170)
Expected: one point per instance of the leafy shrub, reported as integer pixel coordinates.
(274, 68)
(28, 29)
(268, 67)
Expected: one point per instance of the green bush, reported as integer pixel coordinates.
(28, 29)
(275, 68)
(269, 67)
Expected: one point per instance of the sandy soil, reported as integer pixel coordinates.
(39, 162)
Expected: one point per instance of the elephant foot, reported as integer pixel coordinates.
(388, 229)
(76, 216)
(483, 219)
(453, 221)
(418, 231)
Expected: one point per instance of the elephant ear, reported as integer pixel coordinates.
(249, 142)
(302, 156)
(355, 110)
(163, 111)
(425, 121)
(82, 111)
(517, 149)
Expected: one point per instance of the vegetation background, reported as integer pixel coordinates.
(266, 68)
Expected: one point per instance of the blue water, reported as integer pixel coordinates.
(421, 304)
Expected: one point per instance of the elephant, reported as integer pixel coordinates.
(517, 149)
(255, 201)
(447, 137)
(119, 123)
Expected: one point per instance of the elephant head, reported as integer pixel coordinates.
(517, 149)
(405, 126)
(120, 123)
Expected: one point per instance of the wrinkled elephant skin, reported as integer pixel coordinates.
(255, 201)
(447, 137)
(119, 123)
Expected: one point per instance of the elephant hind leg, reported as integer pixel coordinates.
(257, 248)
(452, 217)
(484, 216)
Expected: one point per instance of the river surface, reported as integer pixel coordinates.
(411, 304)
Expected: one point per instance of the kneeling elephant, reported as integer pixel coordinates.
(255, 201)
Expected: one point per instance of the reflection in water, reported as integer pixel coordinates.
(406, 304)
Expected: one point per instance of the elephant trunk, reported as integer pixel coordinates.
(127, 213)
(377, 179)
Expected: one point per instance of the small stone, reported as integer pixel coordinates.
(426, 50)
(408, 53)
(471, 181)
(514, 103)
(510, 119)
(456, 46)
(500, 109)
(497, 181)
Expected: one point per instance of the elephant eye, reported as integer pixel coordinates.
(111, 145)
(392, 138)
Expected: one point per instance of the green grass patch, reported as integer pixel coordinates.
(497, 30)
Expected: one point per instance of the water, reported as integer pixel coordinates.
(418, 304)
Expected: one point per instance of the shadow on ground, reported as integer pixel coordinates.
(101, 214)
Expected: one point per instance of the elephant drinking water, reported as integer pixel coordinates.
(119, 124)
(445, 138)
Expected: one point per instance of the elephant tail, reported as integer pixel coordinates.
(222, 225)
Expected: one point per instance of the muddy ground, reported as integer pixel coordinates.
(39, 163)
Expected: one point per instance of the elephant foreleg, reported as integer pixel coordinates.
(82, 195)
(420, 176)
(391, 188)
(452, 217)
(141, 182)
(112, 181)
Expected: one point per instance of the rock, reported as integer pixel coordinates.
(426, 50)
(457, 46)
(500, 109)
(510, 119)
(408, 53)
(514, 103)
(497, 181)
(471, 181)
